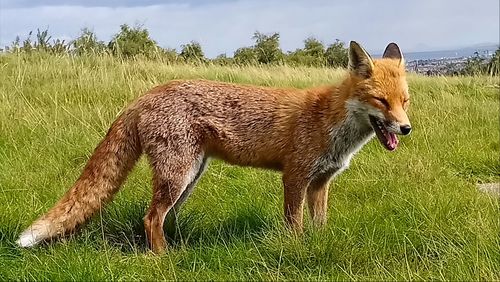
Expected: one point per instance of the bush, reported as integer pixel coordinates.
(169, 55)
(42, 43)
(192, 53)
(131, 42)
(245, 56)
(314, 48)
(313, 54)
(223, 60)
(336, 54)
(475, 65)
(494, 64)
(267, 48)
(478, 65)
(87, 44)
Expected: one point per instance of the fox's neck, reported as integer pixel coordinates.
(348, 130)
(341, 124)
(346, 136)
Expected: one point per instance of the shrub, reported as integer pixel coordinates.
(192, 53)
(168, 55)
(267, 48)
(245, 56)
(87, 44)
(494, 64)
(336, 54)
(313, 54)
(223, 60)
(42, 43)
(133, 41)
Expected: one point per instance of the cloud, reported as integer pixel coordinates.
(224, 26)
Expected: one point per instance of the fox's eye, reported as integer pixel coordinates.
(383, 101)
(406, 102)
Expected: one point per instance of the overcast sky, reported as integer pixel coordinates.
(222, 26)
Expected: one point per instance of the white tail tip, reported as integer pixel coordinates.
(35, 234)
(28, 239)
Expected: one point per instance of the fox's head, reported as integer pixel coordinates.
(379, 93)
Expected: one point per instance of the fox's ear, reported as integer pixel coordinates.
(360, 63)
(392, 51)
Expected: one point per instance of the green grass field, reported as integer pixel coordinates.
(411, 214)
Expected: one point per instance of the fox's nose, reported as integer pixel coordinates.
(405, 129)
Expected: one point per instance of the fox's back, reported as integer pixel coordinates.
(242, 124)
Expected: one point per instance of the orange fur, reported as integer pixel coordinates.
(310, 135)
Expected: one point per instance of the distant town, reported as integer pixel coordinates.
(451, 62)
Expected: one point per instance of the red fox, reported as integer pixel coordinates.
(310, 135)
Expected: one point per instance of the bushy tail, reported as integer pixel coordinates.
(101, 178)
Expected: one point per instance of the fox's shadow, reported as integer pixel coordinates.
(193, 228)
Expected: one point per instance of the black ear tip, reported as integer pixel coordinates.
(353, 43)
(392, 45)
(392, 51)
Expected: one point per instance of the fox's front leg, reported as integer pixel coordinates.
(317, 198)
(295, 187)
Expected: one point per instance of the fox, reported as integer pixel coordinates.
(310, 135)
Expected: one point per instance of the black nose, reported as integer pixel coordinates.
(405, 129)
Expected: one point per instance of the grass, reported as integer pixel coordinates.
(412, 214)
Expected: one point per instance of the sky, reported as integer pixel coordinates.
(222, 26)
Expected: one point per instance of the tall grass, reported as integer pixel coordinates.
(411, 214)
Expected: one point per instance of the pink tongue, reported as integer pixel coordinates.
(392, 141)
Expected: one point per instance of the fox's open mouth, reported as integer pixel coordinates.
(388, 139)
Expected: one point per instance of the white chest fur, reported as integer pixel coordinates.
(347, 139)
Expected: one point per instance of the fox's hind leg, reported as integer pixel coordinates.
(173, 170)
(171, 219)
